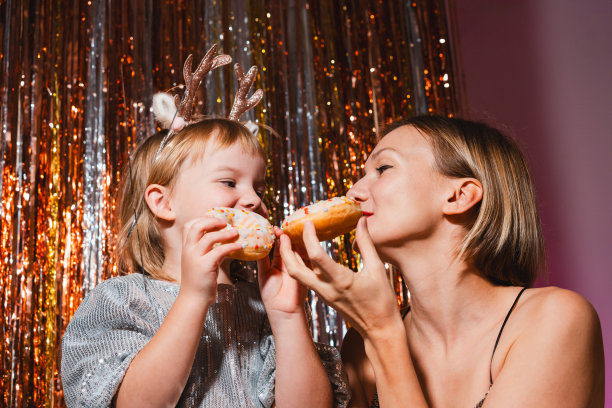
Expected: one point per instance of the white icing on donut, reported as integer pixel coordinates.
(255, 232)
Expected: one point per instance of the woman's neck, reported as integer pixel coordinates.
(447, 296)
(443, 308)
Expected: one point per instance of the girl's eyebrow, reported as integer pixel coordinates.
(225, 168)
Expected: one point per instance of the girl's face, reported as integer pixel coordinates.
(401, 193)
(223, 177)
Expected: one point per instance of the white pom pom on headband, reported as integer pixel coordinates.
(164, 109)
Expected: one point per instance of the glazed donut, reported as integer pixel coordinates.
(255, 232)
(331, 218)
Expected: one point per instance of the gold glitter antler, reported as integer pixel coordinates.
(193, 79)
(245, 82)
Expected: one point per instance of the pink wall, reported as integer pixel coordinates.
(543, 69)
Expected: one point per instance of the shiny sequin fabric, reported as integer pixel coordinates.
(234, 365)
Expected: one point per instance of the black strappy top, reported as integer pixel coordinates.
(375, 404)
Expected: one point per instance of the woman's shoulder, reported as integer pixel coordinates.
(551, 318)
(558, 307)
(553, 337)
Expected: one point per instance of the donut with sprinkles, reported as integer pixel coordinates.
(254, 232)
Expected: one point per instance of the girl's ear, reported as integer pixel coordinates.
(158, 200)
(464, 195)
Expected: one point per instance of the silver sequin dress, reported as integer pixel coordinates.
(234, 364)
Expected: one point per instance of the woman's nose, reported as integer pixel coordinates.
(357, 192)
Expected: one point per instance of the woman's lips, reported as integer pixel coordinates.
(367, 214)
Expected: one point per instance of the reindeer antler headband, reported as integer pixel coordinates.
(175, 113)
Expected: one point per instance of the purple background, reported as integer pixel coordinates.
(542, 68)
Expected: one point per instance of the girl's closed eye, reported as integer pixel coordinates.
(229, 183)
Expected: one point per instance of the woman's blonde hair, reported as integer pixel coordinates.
(139, 243)
(504, 239)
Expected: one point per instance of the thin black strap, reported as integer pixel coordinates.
(405, 313)
(501, 330)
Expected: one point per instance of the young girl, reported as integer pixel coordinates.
(184, 331)
(450, 203)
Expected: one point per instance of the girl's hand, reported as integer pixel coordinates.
(365, 299)
(283, 298)
(282, 295)
(200, 260)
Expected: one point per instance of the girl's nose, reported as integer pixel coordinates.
(253, 202)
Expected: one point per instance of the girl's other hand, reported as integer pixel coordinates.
(282, 295)
(201, 259)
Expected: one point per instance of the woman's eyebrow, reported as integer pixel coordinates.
(377, 153)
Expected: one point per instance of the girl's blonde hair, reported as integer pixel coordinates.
(504, 239)
(139, 243)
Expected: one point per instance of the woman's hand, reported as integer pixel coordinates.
(282, 295)
(200, 258)
(365, 299)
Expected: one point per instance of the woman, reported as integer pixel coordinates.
(450, 203)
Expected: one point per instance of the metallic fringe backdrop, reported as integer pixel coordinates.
(76, 82)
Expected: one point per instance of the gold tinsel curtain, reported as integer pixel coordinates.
(76, 84)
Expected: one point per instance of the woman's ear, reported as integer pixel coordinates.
(158, 200)
(465, 194)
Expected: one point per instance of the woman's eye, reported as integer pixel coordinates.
(229, 183)
(381, 169)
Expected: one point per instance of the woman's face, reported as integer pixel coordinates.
(401, 193)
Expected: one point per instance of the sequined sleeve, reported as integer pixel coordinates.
(332, 362)
(108, 329)
(267, 375)
(330, 357)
